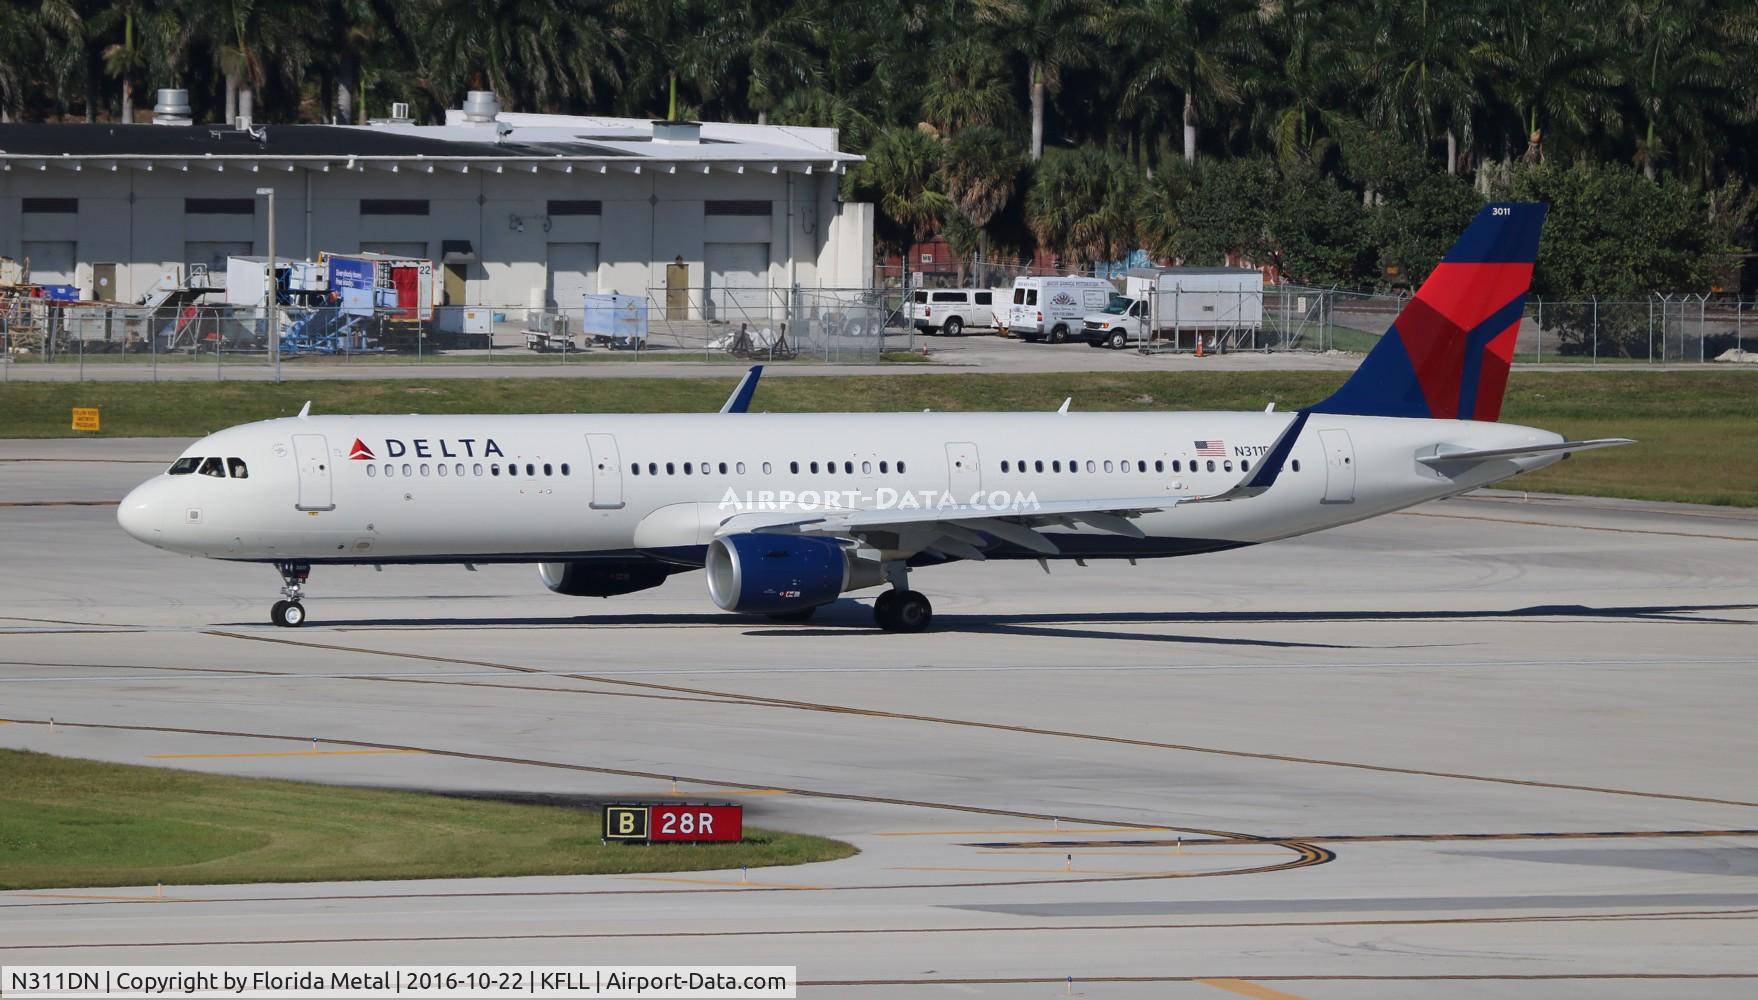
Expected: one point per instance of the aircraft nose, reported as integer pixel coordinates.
(142, 513)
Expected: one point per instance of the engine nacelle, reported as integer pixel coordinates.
(775, 574)
(603, 577)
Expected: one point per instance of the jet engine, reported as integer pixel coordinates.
(603, 577)
(777, 574)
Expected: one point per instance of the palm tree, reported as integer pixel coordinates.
(1050, 35)
(673, 40)
(967, 86)
(1306, 84)
(1558, 72)
(1427, 60)
(34, 42)
(1189, 46)
(535, 54)
(902, 170)
(979, 175)
(1084, 204)
(123, 59)
(772, 47)
(1678, 69)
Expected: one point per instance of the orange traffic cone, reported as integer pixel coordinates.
(1199, 345)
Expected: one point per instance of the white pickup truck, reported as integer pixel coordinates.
(1124, 322)
(1178, 304)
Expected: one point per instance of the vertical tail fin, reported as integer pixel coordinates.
(1447, 354)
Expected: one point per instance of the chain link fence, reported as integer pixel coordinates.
(746, 325)
(735, 326)
(1665, 329)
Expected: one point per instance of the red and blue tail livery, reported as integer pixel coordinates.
(1447, 354)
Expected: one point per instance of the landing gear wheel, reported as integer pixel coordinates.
(910, 612)
(289, 613)
(802, 615)
(902, 611)
(883, 609)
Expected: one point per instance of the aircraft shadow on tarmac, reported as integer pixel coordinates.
(850, 617)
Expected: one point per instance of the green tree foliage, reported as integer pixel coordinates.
(1325, 130)
(902, 176)
(1613, 235)
(1084, 204)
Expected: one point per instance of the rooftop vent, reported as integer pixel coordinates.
(679, 132)
(400, 114)
(481, 106)
(172, 108)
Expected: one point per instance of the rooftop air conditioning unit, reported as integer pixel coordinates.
(481, 106)
(400, 114)
(172, 107)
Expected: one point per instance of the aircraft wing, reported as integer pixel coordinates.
(1527, 451)
(959, 530)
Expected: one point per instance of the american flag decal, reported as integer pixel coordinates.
(1211, 449)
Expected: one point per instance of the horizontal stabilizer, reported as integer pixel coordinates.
(1527, 451)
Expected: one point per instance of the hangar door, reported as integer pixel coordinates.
(52, 261)
(737, 284)
(573, 274)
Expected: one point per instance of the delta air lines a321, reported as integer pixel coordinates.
(787, 512)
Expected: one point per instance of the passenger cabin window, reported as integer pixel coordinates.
(212, 467)
(183, 466)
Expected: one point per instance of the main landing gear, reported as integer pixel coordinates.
(901, 609)
(290, 613)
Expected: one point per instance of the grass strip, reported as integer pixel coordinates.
(66, 822)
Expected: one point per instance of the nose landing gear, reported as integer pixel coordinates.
(290, 613)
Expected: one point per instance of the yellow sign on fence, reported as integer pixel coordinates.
(85, 418)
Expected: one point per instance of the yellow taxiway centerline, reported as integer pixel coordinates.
(1248, 989)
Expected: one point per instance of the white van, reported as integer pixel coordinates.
(1052, 308)
(954, 310)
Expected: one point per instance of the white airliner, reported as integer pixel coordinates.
(786, 512)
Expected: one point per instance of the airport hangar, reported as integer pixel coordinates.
(515, 210)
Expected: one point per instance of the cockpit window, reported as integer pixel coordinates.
(212, 467)
(184, 466)
(235, 466)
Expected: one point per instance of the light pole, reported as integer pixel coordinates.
(274, 284)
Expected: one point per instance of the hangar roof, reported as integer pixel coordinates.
(531, 142)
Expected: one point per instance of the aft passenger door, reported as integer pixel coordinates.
(607, 472)
(964, 473)
(1339, 466)
(312, 454)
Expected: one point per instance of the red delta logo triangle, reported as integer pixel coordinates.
(360, 452)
